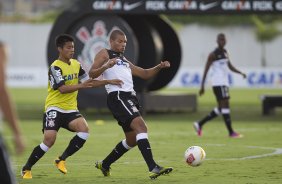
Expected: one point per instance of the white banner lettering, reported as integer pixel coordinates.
(256, 78)
(27, 77)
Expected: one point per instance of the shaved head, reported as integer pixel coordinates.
(221, 40)
(116, 33)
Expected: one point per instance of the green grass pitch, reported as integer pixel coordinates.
(254, 159)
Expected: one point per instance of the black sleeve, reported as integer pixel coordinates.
(56, 78)
(82, 75)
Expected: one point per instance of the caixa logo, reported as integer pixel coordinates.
(107, 5)
(191, 79)
(195, 79)
(265, 78)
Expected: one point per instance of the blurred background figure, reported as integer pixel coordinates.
(219, 62)
(7, 109)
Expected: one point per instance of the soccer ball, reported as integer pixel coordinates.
(194, 156)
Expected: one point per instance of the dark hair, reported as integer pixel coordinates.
(115, 33)
(220, 35)
(62, 39)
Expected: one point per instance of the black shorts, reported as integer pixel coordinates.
(124, 107)
(54, 120)
(221, 92)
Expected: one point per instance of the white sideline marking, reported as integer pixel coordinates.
(276, 151)
(81, 164)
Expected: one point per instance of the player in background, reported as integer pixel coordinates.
(220, 64)
(123, 103)
(10, 115)
(66, 77)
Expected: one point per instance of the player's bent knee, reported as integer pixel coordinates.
(49, 142)
(79, 125)
(84, 129)
(138, 125)
(130, 143)
(49, 138)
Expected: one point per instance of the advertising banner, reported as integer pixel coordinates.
(185, 77)
(256, 78)
(184, 6)
(27, 77)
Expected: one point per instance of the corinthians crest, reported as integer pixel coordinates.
(93, 40)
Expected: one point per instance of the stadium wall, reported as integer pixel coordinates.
(28, 63)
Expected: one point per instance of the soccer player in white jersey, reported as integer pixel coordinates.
(220, 65)
(123, 102)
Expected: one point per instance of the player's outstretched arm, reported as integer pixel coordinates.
(89, 83)
(233, 69)
(101, 63)
(98, 83)
(150, 72)
(207, 67)
(72, 88)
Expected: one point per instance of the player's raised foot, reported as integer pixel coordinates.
(61, 165)
(26, 174)
(158, 171)
(235, 135)
(106, 172)
(197, 128)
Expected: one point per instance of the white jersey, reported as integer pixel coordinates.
(219, 68)
(121, 71)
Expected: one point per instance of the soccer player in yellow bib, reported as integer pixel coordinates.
(66, 77)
